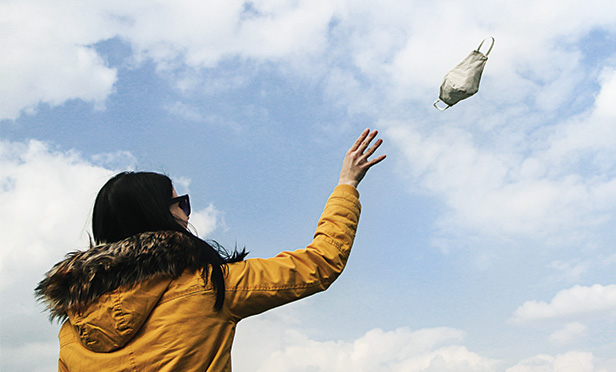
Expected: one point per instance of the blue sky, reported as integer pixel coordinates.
(486, 237)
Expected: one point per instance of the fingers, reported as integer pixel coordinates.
(364, 152)
(363, 141)
(372, 149)
(359, 141)
(367, 138)
(376, 161)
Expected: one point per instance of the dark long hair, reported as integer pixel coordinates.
(132, 203)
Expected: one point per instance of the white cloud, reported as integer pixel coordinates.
(588, 141)
(570, 271)
(48, 196)
(433, 349)
(573, 361)
(205, 221)
(116, 160)
(183, 110)
(575, 301)
(496, 193)
(556, 183)
(47, 47)
(47, 57)
(271, 343)
(213, 30)
(20, 357)
(393, 46)
(605, 99)
(569, 333)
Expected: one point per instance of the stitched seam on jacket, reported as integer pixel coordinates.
(279, 288)
(336, 244)
(121, 324)
(131, 357)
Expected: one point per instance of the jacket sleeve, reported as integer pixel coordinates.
(257, 285)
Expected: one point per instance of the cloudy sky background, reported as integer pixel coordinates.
(487, 237)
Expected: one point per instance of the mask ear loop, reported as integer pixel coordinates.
(440, 108)
(491, 45)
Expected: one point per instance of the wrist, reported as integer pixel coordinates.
(348, 182)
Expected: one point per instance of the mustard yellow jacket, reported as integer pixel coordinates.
(165, 324)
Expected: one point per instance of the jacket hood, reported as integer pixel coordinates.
(109, 290)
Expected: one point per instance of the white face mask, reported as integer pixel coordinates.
(463, 80)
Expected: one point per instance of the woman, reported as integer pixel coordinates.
(150, 296)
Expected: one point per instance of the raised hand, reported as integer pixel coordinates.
(356, 163)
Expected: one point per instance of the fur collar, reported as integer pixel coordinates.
(81, 278)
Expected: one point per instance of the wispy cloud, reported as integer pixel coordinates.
(568, 333)
(574, 361)
(560, 185)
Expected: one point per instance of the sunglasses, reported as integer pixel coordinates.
(184, 203)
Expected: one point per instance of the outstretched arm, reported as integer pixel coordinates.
(256, 285)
